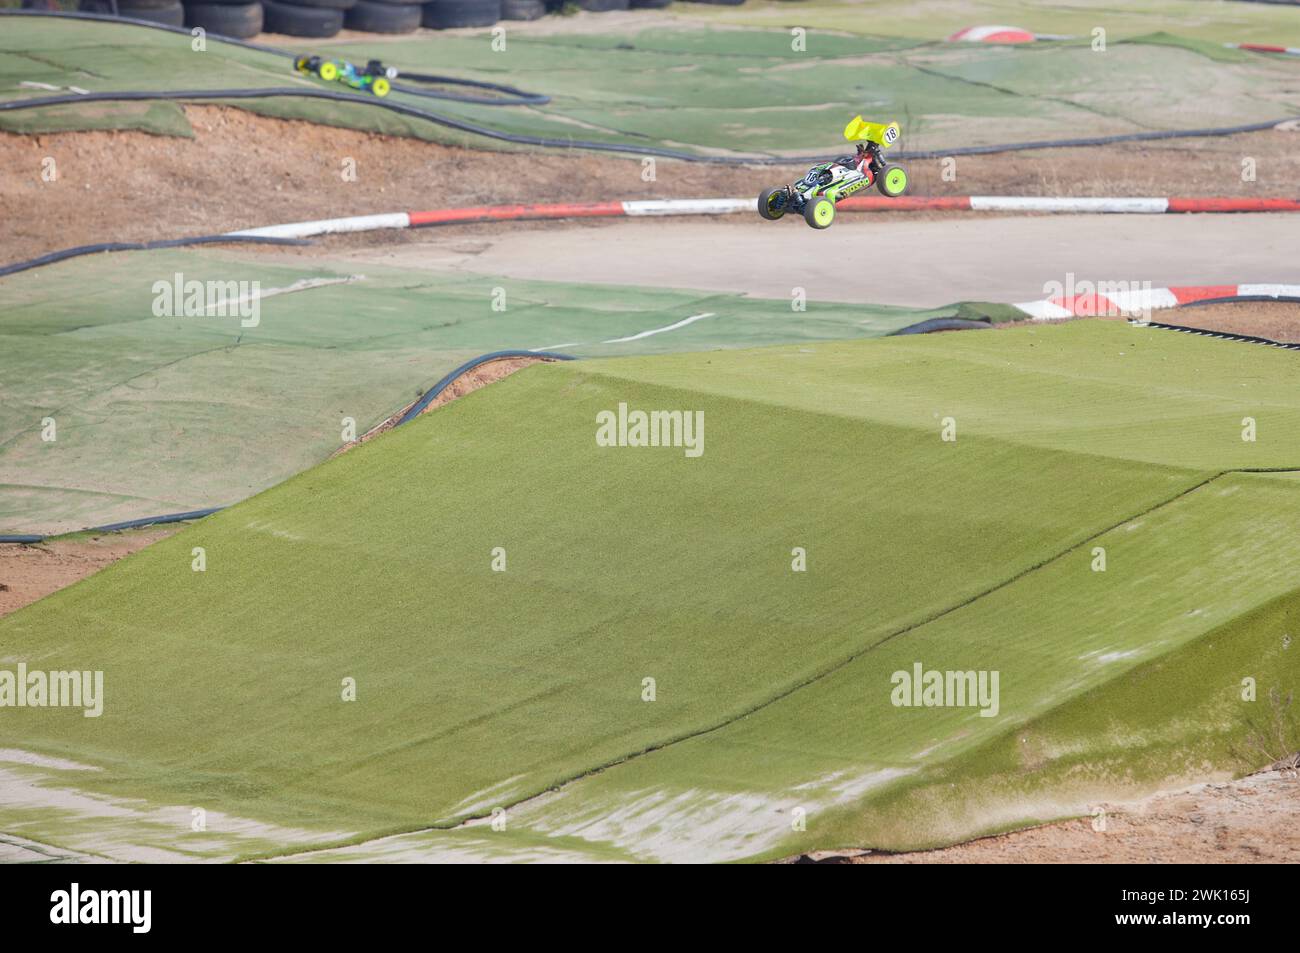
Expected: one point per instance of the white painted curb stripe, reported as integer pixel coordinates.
(1044, 310)
(327, 226)
(690, 207)
(1142, 299)
(1014, 203)
(1271, 291)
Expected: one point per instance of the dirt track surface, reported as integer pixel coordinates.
(1277, 322)
(882, 259)
(28, 573)
(1246, 821)
(243, 170)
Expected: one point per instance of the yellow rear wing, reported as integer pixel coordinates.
(883, 134)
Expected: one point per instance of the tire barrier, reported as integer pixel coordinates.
(293, 20)
(374, 17)
(449, 14)
(240, 20)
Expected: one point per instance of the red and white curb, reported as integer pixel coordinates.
(1115, 300)
(992, 34)
(1264, 48)
(733, 206)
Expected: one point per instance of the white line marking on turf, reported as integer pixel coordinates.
(672, 327)
(305, 284)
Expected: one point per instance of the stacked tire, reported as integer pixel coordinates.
(384, 16)
(603, 6)
(313, 18)
(167, 12)
(522, 9)
(449, 14)
(233, 18)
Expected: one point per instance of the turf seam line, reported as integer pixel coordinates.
(781, 696)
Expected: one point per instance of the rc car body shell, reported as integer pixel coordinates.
(374, 77)
(837, 180)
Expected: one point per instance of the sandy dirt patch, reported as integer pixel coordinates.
(466, 383)
(242, 170)
(1252, 820)
(32, 571)
(1276, 321)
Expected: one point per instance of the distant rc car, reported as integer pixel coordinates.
(817, 193)
(375, 76)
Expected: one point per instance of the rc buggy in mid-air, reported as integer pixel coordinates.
(817, 193)
(374, 76)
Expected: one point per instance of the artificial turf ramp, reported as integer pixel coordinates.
(479, 689)
(160, 414)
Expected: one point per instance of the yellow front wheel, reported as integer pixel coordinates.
(819, 213)
(380, 87)
(328, 71)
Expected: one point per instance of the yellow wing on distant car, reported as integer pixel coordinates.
(881, 133)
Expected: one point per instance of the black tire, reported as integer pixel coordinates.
(448, 14)
(239, 22)
(124, 5)
(603, 6)
(300, 21)
(172, 14)
(374, 17)
(720, 3)
(649, 4)
(322, 4)
(764, 206)
(522, 9)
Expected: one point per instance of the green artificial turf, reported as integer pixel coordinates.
(1209, 21)
(159, 415)
(690, 86)
(479, 689)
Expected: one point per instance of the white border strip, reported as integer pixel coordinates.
(690, 207)
(1016, 203)
(327, 226)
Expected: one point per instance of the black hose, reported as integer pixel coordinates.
(942, 324)
(66, 253)
(549, 142)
